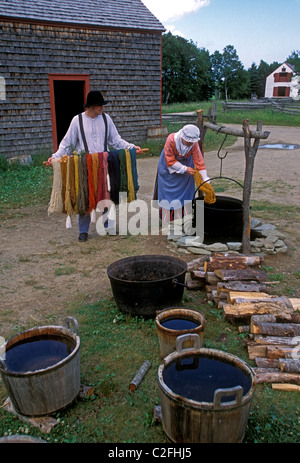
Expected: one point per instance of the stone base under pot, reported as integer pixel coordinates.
(266, 239)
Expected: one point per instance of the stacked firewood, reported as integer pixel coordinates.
(236, 284)
(274, 344)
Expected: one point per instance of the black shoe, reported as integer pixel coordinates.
(83, 237)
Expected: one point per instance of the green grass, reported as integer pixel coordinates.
(23, 186)
(113, 348)
(266, 116)
(114, 345)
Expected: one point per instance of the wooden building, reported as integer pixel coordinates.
(53, 52)
(278, 83)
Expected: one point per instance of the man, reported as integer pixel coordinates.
(91, 131)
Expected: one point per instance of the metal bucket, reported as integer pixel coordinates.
(141, 285)
(43, 391)
(167, 335)
(186, 420)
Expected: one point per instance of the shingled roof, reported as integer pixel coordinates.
(127, 14)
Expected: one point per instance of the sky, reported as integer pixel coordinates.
(265, 30)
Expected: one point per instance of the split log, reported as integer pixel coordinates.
(244, 329)
(256, 350)
(282, 300)
(236, 297)
(276, 329)
(195, 284)
(263, 362)
(245, 274)
(292, 318)
(246, 309)
(139, 376)
(289, 365)
(277, 340)
(277, 352)
(211, 266)
(265, 318)
(271, 377)
(295, 303)
(248, 260)
(210, 288)
(199, 274)
(212, 278)
(157, 414)
(286, 387)
(251, 286)
(196, 263)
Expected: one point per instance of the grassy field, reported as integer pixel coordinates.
(267, 116)
(115, 345)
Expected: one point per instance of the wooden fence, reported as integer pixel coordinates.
(285, 105)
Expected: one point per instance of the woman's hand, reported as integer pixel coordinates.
(190, 170)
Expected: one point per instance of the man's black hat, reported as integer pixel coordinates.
(95, 98)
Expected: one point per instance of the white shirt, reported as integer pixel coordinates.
(94, 129)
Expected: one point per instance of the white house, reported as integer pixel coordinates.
(278, 84)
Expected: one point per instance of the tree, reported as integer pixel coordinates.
(294, 60)
(231, 80)
(186, 74)
(254, 80)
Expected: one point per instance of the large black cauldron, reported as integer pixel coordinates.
(141, 285)
(223, 219)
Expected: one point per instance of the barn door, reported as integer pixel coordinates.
(67, 96)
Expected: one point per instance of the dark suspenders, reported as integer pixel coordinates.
(83, 134)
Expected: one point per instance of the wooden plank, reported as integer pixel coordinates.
(286, 387)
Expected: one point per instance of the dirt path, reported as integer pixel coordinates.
(44, 269)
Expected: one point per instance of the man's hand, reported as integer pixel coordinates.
(138, 150)
(48, 162)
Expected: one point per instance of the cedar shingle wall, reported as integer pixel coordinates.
(125, 66)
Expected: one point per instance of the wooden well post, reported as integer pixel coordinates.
(250, 154)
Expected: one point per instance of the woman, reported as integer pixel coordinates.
(180, 159)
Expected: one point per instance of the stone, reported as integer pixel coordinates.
(216, 247)
(234, 246)
(255, 222)
(281, 247)
(24, 160)
(190, 241)
(200, 251)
